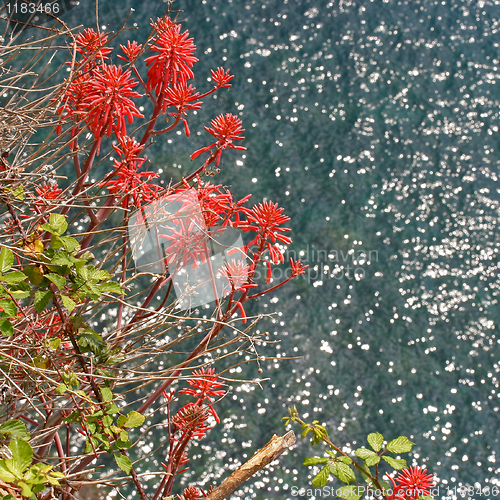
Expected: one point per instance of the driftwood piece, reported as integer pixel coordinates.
(264, 456)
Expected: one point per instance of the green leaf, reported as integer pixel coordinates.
(58, 224)
(70, 243)
(21, 453)
(59, 281)
(315, 461)
(5, 474)
(134, 419)
(6, 260)
(20, 290)
(68, 303)
(26, 489)
(426, 497)
(321, 478)
(120, 422)
(364, 453)
(107, 394)
(344, 473)
(395, 463)
(17, 193)
(9, 307)
(34, 274)
(61, 389)
(112, 409)
(6, 328)
(124, 435)
(61, 259)
(16, 428)
(351, 492)
(42, 299)
(123, 445)
(100, 275)
(54, 343)
(14, 277)
(400, 445)
(365, 473)
(112, 287)
(123, 462)
(346, 460)
(373, 460)
(375, 440)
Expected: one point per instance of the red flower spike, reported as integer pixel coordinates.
(74, 99)
(297, 268)
(221, 77)
(48, 191)
(175, 58)
(206, 387)
(265, 219)
(183, 98)
(191, 419)
(236, 273)
(411, 483)
(89, 43)
(191, 493)
(226, 129)
(131, 51)
(108, 101)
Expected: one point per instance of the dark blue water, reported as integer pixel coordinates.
(376, 125)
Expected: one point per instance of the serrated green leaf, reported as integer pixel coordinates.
(9, 307)
(58, 224)
(70, 243)
(6, 259)
(111, 287)
(34, 274)
(6, 327)
(321, 478)
(42, 299)
(21, 453)
(346, 460)
(344, 472)
(107, 394)
(350, 492)
(373, 460)
(112, 409)
(26, 490)
(365, 473)
(16, 428)
(395, 463)
(400, 445)
(20, 290)
(123, 462)
(375, 440)
(13, 277)
(123, 445)
(364, 453)
(68, 303)
(61, 259)
(308, 461)
(59, 281)
(100, 275)
(134, 419)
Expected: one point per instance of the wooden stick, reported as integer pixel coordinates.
(264, 456)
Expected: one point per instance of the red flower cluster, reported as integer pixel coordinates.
(89, 43)
(237, 273)
(411, 483)
(191, 493)
(130, 180)
(226, 129)
(266, 219)
(175, 58)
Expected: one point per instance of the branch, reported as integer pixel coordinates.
(263, 457)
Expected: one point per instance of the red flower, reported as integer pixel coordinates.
(131, 51)
(74, 99)
(226, 129)
(107, 101)
(191, 493)
(175, 58)
(236, 273)
(297, 268)
(191, 419)
(183, 98)
(89, 43)
(265, 219)
(411, 483)
(48, 191)
(130, 180)
(221, 77)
